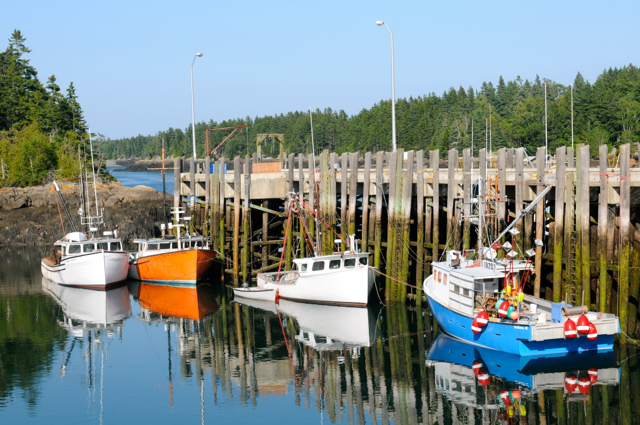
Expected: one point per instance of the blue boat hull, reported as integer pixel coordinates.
(512, 338)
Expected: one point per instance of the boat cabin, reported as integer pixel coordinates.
(77, 243)
(467, 284)
(169, 244)
(338, 261)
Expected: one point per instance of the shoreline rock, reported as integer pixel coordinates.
(32, 215)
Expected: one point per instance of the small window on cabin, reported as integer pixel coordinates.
(438, 276)
(152, 246)
(363, 261)
(174, 245)
(465, 292)
(334, 264)
(74, 249)
(199, 243)
(103, 245)
(88, 248)
(318, 265)
(349, 262)
(186, 244)
(115, 246)
(444, 279)
(303, 267)
(166, 245)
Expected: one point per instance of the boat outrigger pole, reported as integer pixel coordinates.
(523, 213)
(64, 204)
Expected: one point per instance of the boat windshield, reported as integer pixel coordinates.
(75, 249)
(115, 246)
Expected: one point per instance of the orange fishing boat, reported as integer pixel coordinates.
(184, 260)
(177, 301)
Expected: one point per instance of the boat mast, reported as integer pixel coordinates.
(93, 170)
(313, 167)
(83, 208)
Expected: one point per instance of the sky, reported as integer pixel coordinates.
(130, 60)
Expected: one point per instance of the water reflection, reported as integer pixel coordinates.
(178, 301)
(501, 385)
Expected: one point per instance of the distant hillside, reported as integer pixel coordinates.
(605, 112)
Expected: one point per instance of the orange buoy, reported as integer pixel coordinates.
(482, 318)
(583, 324)
(593, 332)
(504, 307)
(584, 385)
(593, 375)
(515, 394)
(483, 376)
(476, 366)
(570, 329)
(571, 382)
(475, 327)
(277, 296)
(514, 315)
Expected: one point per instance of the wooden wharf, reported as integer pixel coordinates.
(406, 208)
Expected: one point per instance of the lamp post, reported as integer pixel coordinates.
(393, 89)
(193, 117)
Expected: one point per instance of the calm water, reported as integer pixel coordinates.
(152, 179)
(156, 354)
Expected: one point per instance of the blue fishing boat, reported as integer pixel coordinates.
(479, 297)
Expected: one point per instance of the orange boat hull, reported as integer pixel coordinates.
(177, 301)
(188, 266)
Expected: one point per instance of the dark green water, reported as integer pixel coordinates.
(150, 354)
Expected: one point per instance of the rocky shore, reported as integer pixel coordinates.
(32, 216)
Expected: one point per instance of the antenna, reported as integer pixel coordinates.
(571, 116)
(546, 142)
(313, 148)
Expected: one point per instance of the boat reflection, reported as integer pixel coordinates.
(174, 301)
(485, 379)
(87, 309)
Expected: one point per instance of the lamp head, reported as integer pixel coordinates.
(199, 55)
(379, 23)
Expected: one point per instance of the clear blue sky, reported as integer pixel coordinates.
(129, 60)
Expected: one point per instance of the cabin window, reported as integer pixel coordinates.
(74, 249)
(88, 248)
(186, 244)
(174, 245)
(334, 264)
(318, 265)
(198, 243)
(363, 261)
(465, 292)
(303, 267)
(152, 246)
(438, 276)
(165, 245)
(444, 279)
(103, 245)
(349, 262)
(115, 246)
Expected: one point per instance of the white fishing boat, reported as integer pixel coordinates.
(93, 261)
(481, 300)
(341, 278)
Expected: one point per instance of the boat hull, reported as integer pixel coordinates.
(186, 266)
(347, 287)
(94, 270)
(512, 338)
(255, 293)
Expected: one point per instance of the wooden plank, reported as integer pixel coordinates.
(603, 216)
(625, 232)
(420, 233)
(265, 235)
(558, 227)
(246, 219)
(378, 211)
(434, 163)
(302, 215)
(365, 201)
(353, 192)
(502, 190)
(237, 192)
(312, 197)
(390, 285)
(291, 164)
(569, 220)
(540, 165)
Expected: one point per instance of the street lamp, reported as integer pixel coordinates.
(393, 89)
(193, 117)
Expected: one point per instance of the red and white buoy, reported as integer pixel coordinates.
(593, 332)
(583, 324)
(504, 396)
(483, 376)
(570, 329)
(482, 318)
(584, 385)
(502, 310)
(571, 382)
(476, 366)
(593, 375)
(475, 327)
(277, 296)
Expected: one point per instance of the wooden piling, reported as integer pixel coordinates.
(206, 229)
(558, 224)
(237, 181)
(246, 220)
(407, 256)
(177, 171)
(344, 226)
(365, 201)
(466, 189)
(434, 163)
(378, 211)
(353, 193)
(583, 229)
(451, 195)
(420, 216)
(541, 166)
(625, 213)
(603, 214)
